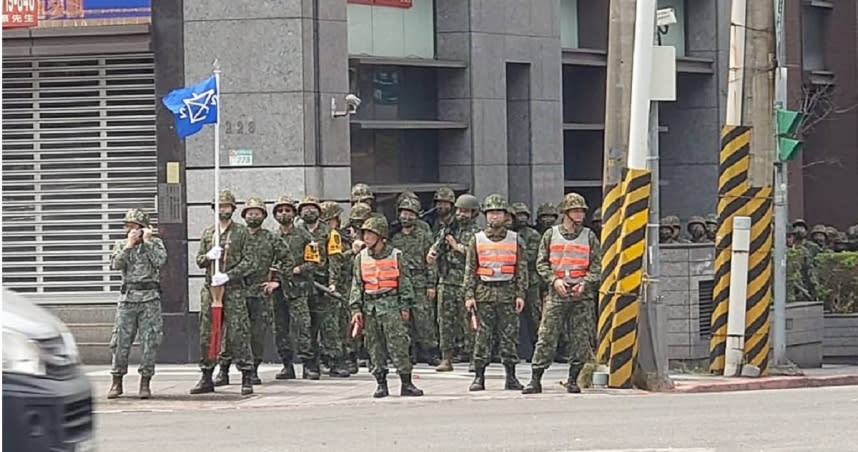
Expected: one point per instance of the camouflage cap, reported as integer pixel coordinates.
(597, 214)
(495, 202)
(547, 208)
(468, 201)
(819, 229)
(330, 209)
(137, 216)
(799, 222)
(712, 219)
(376, 224)
(695, 219)
(360, 212)
(310, 201)
(520, 207)
(285, 200)
(226, 197)
(444, 194)
(361, 192)
(411, 204)
(572, 201)
(254, 203)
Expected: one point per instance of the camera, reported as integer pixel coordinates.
(352, 104)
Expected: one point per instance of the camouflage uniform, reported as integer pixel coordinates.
(420, 223)
(414, 246)
(697, 220)
(665, 231)
(711, 226)
(139, 307)
(596, 222)
(324, 330)
(444, 194)
(576, 311)
(495, 297)
(260, 247)
(676, 225)
(340, 260)
(532, 301)
(819, 235)
(385, 330)
(454, 331)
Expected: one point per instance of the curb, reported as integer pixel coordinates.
(769, 383)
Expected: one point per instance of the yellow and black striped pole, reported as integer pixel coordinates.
(760, 272)
(611, 225)
(624, 340)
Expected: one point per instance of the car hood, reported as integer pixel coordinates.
(21, 315)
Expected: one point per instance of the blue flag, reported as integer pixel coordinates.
(193, 106)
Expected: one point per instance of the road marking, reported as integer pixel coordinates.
(656, 449)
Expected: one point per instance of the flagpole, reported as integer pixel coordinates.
(216, 231)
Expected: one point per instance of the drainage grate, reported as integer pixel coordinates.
(704, 307)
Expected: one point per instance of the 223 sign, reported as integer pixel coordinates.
(242, 127)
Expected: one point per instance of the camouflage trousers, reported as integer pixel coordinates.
(133, 319)
(498, 325)
(235, 329)
(453, 329)
(351, 345)
(316, 329)
(387, 337)
(574, 315)
(283, 330)
(424, 327)
(259, 311)
(532, 313)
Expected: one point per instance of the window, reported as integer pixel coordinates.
(382, 157)
(673, 35)
(813, 25)
(391, 92)
(569, 24)
(392, 28)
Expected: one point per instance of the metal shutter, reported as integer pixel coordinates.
(78, 151)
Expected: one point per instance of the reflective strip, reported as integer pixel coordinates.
(569, 259)
(379, 275)
(494, 258)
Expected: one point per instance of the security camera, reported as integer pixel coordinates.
(352, 104)
(665, 17)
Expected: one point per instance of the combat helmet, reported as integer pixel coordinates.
(496, 202)
(468, 201)
(547, 208)
(377, 225)
(254, 203)
(226, 197)
(137, 216)
(852, 232)
(444, 194)
(799, 222)
(695, 219)
(520, 207)
(361, 192)
(572, 201)
(310, 201)
(819, 229)
(359, 213)
(330, 210)
(597, 215)
(411, 204)
(712, 219)
(285, 200)
(673, 221)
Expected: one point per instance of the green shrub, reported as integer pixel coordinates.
(837, 281)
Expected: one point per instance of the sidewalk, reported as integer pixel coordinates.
(828, 375)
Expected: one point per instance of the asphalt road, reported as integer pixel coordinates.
(820, 419)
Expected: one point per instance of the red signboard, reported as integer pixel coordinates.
(20, 13)
(394, 3)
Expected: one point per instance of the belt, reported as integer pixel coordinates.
(151, 285)
(392, 293)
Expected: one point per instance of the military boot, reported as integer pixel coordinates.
(479, 383)
(222, 378)
(205, 384)
(572, 384)
(432, 357)
(311, 372)
(381, 390)
(535, 384)
(115, 388)
(511, 383)
(351, 364)
(408, 389)
(288, 371)
(246, 382)
(338, 370)
(446, 364)
(144, 392)
(254, 374)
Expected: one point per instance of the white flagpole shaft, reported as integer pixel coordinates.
(217, 167)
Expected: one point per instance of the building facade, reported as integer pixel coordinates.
(486, 96)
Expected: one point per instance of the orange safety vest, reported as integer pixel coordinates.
(570, 259)
(379, 276)
(496, 260)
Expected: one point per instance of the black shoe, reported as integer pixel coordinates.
(246, 382)
(144, 392)
(408, 389)
(462, 358)
(222, 378)
(479, 383)
(310, 371)
(511, 383)
(339, 371)
(352, 367)
(381, 390)
(535, 385)
(254, 375)
(433, 357)
(205, 385)
(287, 373)
(572, 384)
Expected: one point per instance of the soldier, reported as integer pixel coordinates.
(236, 264)
(260, 246)
(362, 193)
(831, 233)
(697, 229)
(414, 245)
(139, 257)
(840, 242)
(532, 302)
(676, 226)
(711, 227)
(596, 222)
(380, 300)
(449, 254)
(819, 236)
(420, 223)
(360, 212)
(852, 235)
(496, 281)
(546, 217)
(340, 269)
(324, 326)
(665, 231)
(570, 261)
(444, 199)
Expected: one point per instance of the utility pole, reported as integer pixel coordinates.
(779, 324)
(618, 89)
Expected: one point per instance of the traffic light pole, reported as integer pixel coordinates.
(780, 195)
